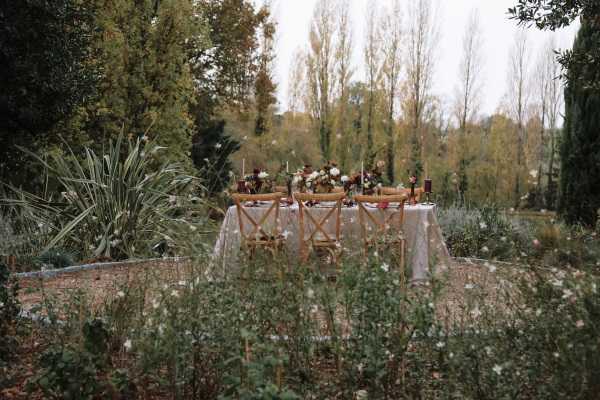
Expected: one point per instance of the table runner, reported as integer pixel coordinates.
(421, 229)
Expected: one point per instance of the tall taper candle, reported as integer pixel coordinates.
(287, 166)
(243, 167)
(362, 176)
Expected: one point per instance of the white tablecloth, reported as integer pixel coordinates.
(421, 229)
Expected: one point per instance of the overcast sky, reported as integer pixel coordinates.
(293, 18)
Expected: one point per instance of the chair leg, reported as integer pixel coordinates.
(402, 259)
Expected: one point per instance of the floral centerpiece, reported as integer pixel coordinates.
(326, 179)
(371, 181)
(258, 182)
(321, 181)
(300, 180)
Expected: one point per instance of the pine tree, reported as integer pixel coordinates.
(579, 200)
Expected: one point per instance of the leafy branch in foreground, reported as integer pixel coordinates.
(114, 205)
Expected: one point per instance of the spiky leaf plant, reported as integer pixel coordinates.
(114, 205)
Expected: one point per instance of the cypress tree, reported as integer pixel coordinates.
(579, 200)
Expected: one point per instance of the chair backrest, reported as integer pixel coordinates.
(313, 223)
(388, 191)
(378, 216)
(338, 189)
(280, 189)
(263, 227)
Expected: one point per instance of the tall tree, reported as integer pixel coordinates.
(373, 57)
(470, 72)
(225, 68)
(296, 82)
(580, 149)
(344, 71)
(543, 79)
(555, 102)
(264, 87)
(225, 65)
(47, 72)
(422, 38)
(468, 92)
(391, 26)
(321, 70)
(518, 101)
(146, 87)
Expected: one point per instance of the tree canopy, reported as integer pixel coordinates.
(556, 14)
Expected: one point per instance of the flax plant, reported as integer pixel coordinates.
(114, 205)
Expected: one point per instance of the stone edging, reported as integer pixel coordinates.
(49, 273)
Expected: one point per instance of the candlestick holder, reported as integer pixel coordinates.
(427, 188)
(428, 201)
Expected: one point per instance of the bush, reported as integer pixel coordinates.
(484, 233)
(547, 348)
(276, 330)
(56, 258)
(9, 313)
(111, 205)
(75, 370)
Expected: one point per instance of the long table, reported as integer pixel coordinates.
(421, 229)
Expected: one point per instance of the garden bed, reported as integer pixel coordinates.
(99, 282)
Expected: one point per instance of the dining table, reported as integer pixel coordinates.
(425, 246)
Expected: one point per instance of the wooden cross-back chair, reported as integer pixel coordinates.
(280, 189)
(381, 220)
(313, 223)
(390, 191)
(264, 231)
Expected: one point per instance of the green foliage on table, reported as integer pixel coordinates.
(579, 200)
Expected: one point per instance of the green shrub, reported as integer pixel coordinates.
(56, 258)
(115, 205)
(75, 370)
(9, 314)
(484, 233)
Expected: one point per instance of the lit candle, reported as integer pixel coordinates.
(287, 166)
(243, 167)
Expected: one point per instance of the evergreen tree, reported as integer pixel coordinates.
(579, 199)
(45, 74)
(210, 153)
(146, 86)
(264, 87)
